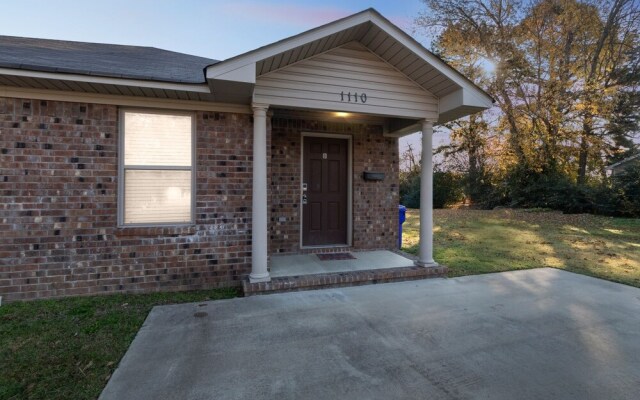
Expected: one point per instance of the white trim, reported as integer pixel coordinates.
(349, 139)
(186, 87)
(128, 101)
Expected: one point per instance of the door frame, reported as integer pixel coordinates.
(349, 139)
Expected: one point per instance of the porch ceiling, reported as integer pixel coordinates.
(393, 127)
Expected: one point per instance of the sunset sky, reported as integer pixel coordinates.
(214, 29)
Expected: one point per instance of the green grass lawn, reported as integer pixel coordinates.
(479, 241)
(68, 348)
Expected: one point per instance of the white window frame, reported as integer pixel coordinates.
(122, 168)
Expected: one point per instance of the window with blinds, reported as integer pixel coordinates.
(156, 168)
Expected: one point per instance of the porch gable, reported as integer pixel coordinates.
(350, 78)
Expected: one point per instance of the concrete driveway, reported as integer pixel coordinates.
(538, 334)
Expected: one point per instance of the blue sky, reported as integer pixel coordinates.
(209, 28)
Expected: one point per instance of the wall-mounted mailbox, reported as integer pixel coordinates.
(373, 176)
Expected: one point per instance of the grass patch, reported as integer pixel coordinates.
(478, 241)
(68, 348)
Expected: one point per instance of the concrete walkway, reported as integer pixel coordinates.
(538, 334)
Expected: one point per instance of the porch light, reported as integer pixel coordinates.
(342, 114)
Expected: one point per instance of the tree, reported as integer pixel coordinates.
(565, 84)
(617, 39)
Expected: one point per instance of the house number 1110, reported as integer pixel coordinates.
(353, 97)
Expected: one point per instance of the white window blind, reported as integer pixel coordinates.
(156, 139)
(157, 168)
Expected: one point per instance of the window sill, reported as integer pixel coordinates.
(178, 230)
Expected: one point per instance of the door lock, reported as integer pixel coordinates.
(304, 198)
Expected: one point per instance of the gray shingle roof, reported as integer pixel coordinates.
(135, 62)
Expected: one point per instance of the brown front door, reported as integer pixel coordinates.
(324, 172)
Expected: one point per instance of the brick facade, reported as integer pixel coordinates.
(375, 204)
(58, 215)
(59, 180)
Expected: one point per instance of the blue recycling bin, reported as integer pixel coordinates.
(402, 216)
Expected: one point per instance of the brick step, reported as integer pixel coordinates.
(341, 279)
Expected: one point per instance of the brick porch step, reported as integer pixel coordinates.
(341, 279)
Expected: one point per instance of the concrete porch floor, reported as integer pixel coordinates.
(310, 264)
(307, 272)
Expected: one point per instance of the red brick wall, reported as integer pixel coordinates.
(375, 204)
(58, 234)
(58, 209)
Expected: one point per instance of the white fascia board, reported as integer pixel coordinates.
(244, 74)
(451, 101)
(131, 101)
(463, 98)
(187, 87)
(474, 98)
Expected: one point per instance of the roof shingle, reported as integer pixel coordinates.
(109, 60)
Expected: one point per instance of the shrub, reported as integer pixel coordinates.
(410, 189)
(448, 189)
(625, 189)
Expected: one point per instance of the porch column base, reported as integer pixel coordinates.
(259, 278)
(426, 264)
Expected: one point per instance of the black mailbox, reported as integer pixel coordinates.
(373, 176)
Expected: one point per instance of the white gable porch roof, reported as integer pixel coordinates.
(234, 79)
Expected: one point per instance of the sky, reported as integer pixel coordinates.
(207, 28)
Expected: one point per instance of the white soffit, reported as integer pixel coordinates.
(458, 95)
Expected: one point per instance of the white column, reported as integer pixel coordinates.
(426, 198)
(259, 234)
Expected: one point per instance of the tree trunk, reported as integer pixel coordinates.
(584, 153)
(513, 127)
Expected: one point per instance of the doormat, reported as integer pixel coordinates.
(335, 256)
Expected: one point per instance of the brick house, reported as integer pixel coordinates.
(128, 169)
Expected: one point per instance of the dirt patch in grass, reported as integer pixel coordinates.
(480, 241)
(68, 348)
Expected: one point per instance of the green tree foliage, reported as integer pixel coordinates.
(625, 191)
